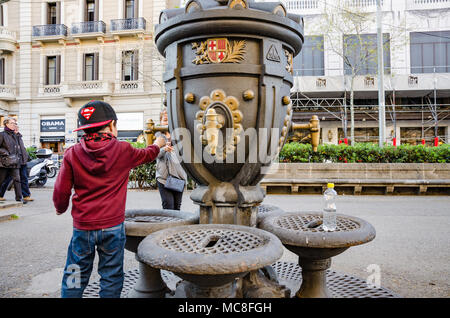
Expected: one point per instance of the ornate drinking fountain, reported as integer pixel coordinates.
(228, 75)
(229, 71)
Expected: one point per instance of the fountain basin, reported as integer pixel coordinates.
(302, 234)
(210, 257)
(142, 222)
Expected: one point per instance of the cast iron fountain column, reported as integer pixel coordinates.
(229, 71)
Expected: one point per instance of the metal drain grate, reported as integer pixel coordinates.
(289, 274)
(153, 219)
(228, 241)
(340, 285)
(300, 223)
(93, 289)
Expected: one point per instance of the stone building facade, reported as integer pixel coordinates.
(417, 64)
(56, 55)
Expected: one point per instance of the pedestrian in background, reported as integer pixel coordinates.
(170, 176)
(11, 156)
(23, 172)
(97, 169)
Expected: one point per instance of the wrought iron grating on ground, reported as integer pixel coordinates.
(289, 274)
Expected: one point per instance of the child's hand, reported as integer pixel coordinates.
(169, 147)
(160, 142)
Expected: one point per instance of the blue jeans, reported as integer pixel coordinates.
(110, 244)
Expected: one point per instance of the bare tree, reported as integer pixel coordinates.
(346, 29)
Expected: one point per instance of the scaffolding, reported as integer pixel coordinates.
(429, 114)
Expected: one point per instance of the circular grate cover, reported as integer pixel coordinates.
(340, 285)
(289, 274)
(214, 241)
(153, 219)
(312, 223)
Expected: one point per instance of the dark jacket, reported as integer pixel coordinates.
(25, 157)
(98, 171)
(9, 145)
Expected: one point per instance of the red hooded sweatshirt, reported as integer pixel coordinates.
(98, 171)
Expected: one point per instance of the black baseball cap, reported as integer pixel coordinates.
(95, 114)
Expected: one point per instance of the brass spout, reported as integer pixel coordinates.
(211, 131)
(314, 129)
(151, 130)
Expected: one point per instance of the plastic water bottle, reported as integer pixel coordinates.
(329, 210)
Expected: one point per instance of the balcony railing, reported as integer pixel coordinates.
(50, 90)
(128, 24)
(87, 88)
(362, 3)
(312, 7)
(7, 40)
(427, 4)
(302, 4)
(88, 27)
(49, 30)
(4, 32)
(7, 92)
(129, 87)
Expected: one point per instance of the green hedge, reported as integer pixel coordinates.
(365, 153)
(144, 176)
(31, 152)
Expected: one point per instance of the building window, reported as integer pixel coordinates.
(91, 10)
(414, 135)
(2, 71)
(310, 61)
(90, 69)
(361, 54)
(52, 13)
(430, 52)
(2, 22)
(131, 7)
(53, 74)
(130, 66)
(366, 134)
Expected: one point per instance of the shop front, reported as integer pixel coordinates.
(55, 143)
(53, 134)
(130, 126)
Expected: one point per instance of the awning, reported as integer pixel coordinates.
(52, 139)
(131, 135)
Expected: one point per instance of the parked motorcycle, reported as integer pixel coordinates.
(51, 168)
(38, 169)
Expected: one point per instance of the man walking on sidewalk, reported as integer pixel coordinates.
(23, 172)
(11, 156)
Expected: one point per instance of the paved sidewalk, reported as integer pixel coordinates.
(411, 247)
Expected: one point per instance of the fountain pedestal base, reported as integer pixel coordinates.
(150, 284)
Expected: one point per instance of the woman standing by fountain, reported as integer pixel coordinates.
(170, 176)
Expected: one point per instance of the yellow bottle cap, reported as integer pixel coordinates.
(330, 185)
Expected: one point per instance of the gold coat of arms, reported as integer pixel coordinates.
(218, 50)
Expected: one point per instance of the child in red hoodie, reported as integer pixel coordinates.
(98, 169)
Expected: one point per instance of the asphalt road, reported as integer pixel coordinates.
(412, 246)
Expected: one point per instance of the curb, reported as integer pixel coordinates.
(6, 215)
